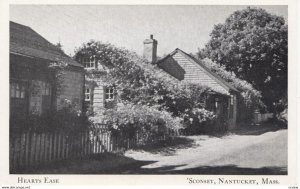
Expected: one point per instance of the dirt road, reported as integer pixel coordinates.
(232, 154)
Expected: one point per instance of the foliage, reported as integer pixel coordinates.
(59, 47)
(142, 116)
(146, 120)
(140, 83)
(195, 119)
(58, 69)
(253, 44)
(250, 96)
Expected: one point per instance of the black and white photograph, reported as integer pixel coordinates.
(148, 90)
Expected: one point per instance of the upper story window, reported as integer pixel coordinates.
(109, 93)
(89, 62)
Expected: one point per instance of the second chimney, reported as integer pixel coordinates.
(150, 49)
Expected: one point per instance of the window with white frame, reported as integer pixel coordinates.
(18, 99)
(89, 62)
(17, 90)
(87, 94)
(46, 97)
(46, 89)
(109, 93)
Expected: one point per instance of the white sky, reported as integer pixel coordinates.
(184, 27)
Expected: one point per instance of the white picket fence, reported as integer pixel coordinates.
(31, 149)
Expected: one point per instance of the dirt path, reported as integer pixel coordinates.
(261, 152)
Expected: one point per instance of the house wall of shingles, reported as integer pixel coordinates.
(72, 88)
(195, 74)
(170, 66)
(98, 98)
(97, 102)
(232, 121)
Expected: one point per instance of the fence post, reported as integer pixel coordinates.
(11, 153)
(27, 143)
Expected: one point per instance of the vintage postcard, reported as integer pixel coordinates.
(148, 93)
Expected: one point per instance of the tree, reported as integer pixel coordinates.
(59, 46)
(253, 44)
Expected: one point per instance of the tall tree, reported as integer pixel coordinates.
(254, 45)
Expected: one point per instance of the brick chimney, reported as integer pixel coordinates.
(150, 49)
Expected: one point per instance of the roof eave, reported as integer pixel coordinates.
(33, 57)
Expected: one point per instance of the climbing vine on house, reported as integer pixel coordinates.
(249, 99)
(140, 84)
(58, 69)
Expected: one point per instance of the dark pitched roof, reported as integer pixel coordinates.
(217, 78)
(25, 41)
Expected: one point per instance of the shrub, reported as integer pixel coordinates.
(196, 119)
(129, 118)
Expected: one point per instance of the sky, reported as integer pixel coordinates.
(186, 27)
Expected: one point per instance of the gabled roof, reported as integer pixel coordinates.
(213, 75)
(25, 41)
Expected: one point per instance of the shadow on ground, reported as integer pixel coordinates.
(169, 146)
(220, 170)
(105, 163)
(118, 164)
(260, 129)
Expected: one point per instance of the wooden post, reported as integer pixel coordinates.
(85, 142)
(43, 148)
(32, 149)
(27, 142)
(37, 149)
(62, 136)
(50, 146)
(101, 142)
(46, 147)
(22, 150)
(59, 147)
(107, 141)
(12, 153)
(98, 144)
(55, 146)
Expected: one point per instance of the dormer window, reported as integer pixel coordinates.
(89, 62)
